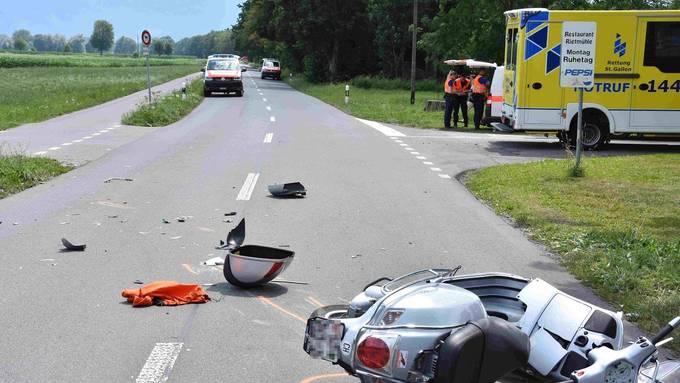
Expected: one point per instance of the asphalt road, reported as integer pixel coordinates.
(380, 202)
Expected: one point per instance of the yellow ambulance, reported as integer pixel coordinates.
(637, 75)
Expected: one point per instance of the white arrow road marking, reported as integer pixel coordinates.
(248, 186)
(160, 362)
(268, 138)
(382, 128)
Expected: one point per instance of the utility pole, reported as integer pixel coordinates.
(413, 52)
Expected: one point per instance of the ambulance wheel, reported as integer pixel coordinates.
(206, 93)
(595, 132)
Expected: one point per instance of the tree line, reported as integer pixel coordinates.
(101, 40)
(329, 40)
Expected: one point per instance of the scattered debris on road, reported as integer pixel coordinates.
(181, 219)
(293, 189)
(165, 293)
(118, 179)
(356, 256)
(71, 247)
(230, 214)
(216, 261)
(138, 282)
(165, 220)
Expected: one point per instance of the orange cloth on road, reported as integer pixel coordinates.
(165, 293)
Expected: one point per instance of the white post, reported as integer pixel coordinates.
(346, 93)
(148, 77)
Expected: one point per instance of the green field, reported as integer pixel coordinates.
(386, 105)
(36, 87)
(617, 228)
(168, 109)
(17, 60)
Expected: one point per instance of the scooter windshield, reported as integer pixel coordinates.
(418, 276)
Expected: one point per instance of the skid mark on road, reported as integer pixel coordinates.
(189, 269)
(159, 363)
(269, 302)
(248, 187)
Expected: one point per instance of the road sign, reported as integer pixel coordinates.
(145, 50)
(146, 37)
(577, 69)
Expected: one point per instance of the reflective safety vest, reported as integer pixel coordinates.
(461, 85)
(448, 89)
(478, 87)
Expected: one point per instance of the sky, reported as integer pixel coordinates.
(176, 18)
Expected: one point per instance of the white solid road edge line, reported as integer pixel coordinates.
(268, 138)
(382, 128)
(248, 187)
(159, 363)
(54, 148)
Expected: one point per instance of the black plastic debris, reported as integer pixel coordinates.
(181, 219)
(71, 247)
(165, 220)
(138, 282)
(230, 213)
(251, 265)
(293, 189)
(118, 179)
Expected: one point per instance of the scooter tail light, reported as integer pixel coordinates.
(373, 353)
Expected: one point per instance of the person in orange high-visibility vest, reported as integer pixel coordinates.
(448, 98)
(480, 91)
(461, 89)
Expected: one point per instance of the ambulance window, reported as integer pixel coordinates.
(511, 48)
(662, 46)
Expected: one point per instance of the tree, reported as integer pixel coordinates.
(125, 45)
(20, 44)
(5, 42)
(22, 34)
(102, 36)
(158, 46)
(77, 43)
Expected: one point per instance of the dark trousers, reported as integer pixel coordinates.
(448, 100)
(479, 100)
(460, 101)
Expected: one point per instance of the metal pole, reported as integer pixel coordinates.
(413, 52)
(579, 128)
(148, 77)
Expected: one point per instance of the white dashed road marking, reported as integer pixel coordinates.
(445, 176)
(272, 119)
(87, 137)
(77, 141)
(402, 144)
(269, 108)
(248, 186)
(264, 99)
(159, 363)
(54, 148)
(39, 153)
(421, 157)
(415, 153)
(436, 169)
(427, 163)
(408, 148)
(66, 144)
(96, 134)
(386, 130)
(268, 138)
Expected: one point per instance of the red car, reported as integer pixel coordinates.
(271, 68)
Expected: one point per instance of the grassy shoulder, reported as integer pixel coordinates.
(18, 172)
(168, 109)
(617, 228)
(386, 105)
(35, 94)
(52, 59)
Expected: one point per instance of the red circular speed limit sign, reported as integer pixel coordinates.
(146, 38)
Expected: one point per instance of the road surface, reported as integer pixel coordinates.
(381, 201)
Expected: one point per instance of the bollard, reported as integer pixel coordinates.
(346, 93)
(184, 90)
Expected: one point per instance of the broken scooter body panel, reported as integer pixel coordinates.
(252, 265)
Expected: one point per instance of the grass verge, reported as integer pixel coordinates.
(38, 93)
(617, 228)
(168, 109)
(18, 172)
(386, 105)
(16, 60)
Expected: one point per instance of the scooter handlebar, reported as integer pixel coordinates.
(666, 330)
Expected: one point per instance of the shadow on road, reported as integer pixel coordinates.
(270, 290)
(556, 150)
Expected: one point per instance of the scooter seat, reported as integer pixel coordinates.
(482, 352)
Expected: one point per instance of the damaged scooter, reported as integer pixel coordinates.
(435, 326)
